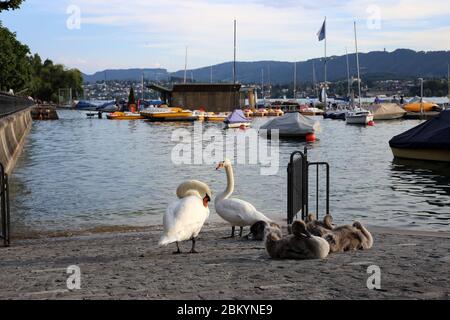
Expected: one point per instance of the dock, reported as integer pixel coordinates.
(44, 112)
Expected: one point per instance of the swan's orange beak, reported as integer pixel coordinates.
(219, 166)
(206, 200)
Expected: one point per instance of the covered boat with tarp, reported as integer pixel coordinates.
(386, 111)
(292, 125)
(428, 141)
(417, 104)
(237, 119)
(96, 105)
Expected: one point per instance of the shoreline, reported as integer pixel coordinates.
(130, 265)
(123, 229)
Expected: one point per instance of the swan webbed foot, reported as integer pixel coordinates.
(232, 233)
(178, 250)
(193, 246)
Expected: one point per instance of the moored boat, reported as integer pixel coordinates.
(277, 112)
(292, 125)
(168, 114)
(216, 117)
(415, 105)
(118, 115)
(428, 141)
(261, 112)
(237, 119)
(360, 116)
(386, 111)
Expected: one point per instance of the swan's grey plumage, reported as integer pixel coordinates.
(300, 245)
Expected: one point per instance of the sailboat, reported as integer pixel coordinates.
(358, 115)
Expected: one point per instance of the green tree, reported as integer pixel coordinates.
(6, 5)
(14, 61)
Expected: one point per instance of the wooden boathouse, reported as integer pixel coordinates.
(212, 97)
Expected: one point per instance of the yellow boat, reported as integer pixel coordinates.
(118, 115)
(262, 112)
(216, 117)
(275, 112)
(168, 114)
(248, 113)
(416, 106)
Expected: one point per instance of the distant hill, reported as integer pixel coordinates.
(127, 75)
(400, 64)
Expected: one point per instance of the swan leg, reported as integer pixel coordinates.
(193, 246)
(240, 233)
(178, 249)
(233, 228)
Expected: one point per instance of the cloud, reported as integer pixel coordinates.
(278, 30)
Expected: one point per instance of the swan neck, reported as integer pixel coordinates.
(230, 182)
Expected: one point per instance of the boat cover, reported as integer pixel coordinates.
(385, 109)
(292, 124)
(432, 134)
(237, 116)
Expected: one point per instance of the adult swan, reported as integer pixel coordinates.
(185, 217)
(238, 213)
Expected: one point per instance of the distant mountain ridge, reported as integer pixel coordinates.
(127, 75)
(399, 64)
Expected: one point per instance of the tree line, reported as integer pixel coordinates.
(27, 74)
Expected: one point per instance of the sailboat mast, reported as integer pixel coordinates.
(234, 61)
(448, 80)
(295, 80)
(262, 85)
(211, 74)
(142, 97)
(357, 65)
(348, 73)
(314, 79)
(185, 65)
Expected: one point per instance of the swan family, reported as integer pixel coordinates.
(310, 239)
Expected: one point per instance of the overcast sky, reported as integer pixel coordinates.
(154, 33)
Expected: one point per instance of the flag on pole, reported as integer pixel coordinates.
(322, 32)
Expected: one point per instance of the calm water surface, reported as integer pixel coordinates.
(79, 173)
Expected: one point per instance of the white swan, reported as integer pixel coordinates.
(237, 212)
(186, 216)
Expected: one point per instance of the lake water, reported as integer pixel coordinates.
(79, 173)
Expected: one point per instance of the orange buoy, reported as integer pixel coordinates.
(371, 123)
(310, 137)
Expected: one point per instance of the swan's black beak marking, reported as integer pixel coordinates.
(206, 200)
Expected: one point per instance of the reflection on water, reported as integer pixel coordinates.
(79, 173)
(429, 181)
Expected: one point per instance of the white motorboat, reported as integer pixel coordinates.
(359, 117)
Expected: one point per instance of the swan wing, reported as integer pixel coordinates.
(239, 212)
(183, 220)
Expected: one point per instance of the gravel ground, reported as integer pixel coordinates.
(130, 265)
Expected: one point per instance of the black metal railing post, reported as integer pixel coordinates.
(4, 207)
(298, 187)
